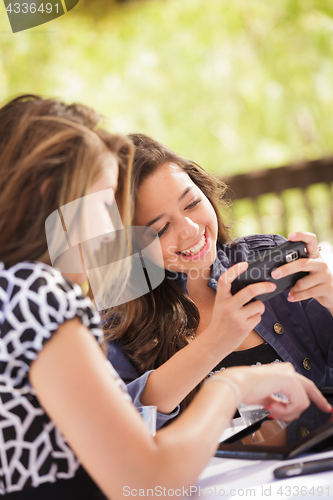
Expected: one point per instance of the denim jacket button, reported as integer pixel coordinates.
(303, 431)
(306, 363)
(278, 328)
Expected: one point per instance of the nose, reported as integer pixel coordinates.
(110, 233)
(189, 229)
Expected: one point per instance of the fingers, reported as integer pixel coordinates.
(253, 321)
(251, 311)
(254, 308)
(305, 265)
(314, 394)
(300, 391)
(285, 412)
(291, 408)
(246, 294)
(319, 278)
(249, 292)
(318, 284)
(313, 292)
(225, 280)
(260, 384)
(310, 239)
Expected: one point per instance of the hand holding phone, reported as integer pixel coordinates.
(260, 269)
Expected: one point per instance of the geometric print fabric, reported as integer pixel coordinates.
(34, 300)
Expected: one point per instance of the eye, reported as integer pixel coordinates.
(194, 204)
(163, 230)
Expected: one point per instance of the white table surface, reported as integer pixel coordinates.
(232, 478)
(228, 478)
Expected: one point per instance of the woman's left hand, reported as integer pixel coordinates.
(319, 283)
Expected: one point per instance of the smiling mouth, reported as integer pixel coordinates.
(190, 252)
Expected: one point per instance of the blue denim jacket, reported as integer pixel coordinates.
(306, 340)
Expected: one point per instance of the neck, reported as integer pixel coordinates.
(197, 286)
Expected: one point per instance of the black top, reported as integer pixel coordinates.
(261, 354)
(79, 487)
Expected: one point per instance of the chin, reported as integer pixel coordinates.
(78, 278)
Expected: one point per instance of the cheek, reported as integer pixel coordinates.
(211, 217)
(165, 251)
(168, 249)
(97, 221)
(168, 253)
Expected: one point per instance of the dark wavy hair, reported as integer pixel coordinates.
(152, 328)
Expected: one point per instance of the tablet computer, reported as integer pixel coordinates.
(277, 440)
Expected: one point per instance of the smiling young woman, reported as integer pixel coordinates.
(67, 427)
(165, 343)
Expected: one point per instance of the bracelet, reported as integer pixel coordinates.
(230, 383)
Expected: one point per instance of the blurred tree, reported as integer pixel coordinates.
(233, 85)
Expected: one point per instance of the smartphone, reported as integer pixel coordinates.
(303, 468)
(260, 269)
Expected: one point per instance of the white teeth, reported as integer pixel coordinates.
(196, 248)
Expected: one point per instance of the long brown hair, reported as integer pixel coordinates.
(47, 145)
(155, 326)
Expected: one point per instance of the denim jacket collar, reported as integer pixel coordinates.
(219, 266)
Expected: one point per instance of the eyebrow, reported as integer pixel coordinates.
(162, 215)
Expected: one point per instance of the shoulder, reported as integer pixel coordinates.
(38, 291)
(38, 300)
(249, 248)
(38, 281)
(30, 274)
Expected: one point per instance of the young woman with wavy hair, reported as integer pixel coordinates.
(67, 427)
(166, 342)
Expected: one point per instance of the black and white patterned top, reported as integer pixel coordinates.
(34, 300)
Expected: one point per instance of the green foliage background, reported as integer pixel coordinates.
(234, 85)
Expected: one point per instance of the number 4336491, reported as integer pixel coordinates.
(31, 8)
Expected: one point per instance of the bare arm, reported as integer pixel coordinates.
(231, 322)
(78, 392)
(76, 389)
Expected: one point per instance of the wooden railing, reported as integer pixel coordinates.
(300, 177)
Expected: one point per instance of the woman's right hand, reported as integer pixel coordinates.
(259, 384)
(232, 320)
